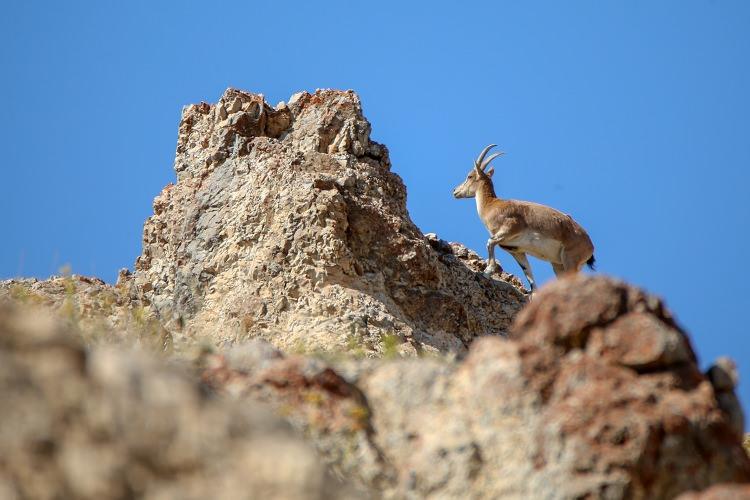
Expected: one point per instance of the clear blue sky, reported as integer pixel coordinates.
(633, 116)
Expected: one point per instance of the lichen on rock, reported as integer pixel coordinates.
(287, 224)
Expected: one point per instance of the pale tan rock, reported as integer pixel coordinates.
(107, 424)
(557, 411)
(95, 311)
(287, 224)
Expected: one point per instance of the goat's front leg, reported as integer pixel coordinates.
(496, 239)
(526, 268)
(492, 265)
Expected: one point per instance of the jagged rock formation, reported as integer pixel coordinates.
(287, 223)
(597, 395)
(116, 424)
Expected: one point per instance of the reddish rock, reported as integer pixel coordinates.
(720, 492)
(628, 405)
(597, 395)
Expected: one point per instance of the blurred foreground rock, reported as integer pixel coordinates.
(119, 424)
(720, 492)
(597, 395)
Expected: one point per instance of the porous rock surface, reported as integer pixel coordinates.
(287, 223)
(94, 311)
(110, 424)
(596, 395)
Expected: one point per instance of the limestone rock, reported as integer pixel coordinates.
(93, 310)
(625, 408)
(287, 224)
(117, 424)
(596, 395)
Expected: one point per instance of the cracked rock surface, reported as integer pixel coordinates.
(287, 223)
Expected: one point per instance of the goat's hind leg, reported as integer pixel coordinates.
(558, 268)
(571, 262)
(526, 267)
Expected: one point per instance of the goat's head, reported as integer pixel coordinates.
(478, 174)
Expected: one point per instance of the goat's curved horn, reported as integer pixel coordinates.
(481, 156)
(488, 160)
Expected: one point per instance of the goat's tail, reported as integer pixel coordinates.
(591, 263)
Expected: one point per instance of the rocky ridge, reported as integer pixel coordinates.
(287, 223)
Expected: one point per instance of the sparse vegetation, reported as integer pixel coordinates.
(149, 331)
(24, 295)
(361, 416)
(314, 398)
(390, 345)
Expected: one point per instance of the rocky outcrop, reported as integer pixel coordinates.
(623, 400)
(118, 424)
(597, 395)
(286, 223)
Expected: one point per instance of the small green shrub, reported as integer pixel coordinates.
(390, 345)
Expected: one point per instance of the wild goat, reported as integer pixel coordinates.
(522, 227)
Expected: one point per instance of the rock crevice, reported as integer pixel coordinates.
(287, 223)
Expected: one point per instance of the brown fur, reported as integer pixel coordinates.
(522, 227)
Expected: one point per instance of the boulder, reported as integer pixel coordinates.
(597, 394)
(112, 423)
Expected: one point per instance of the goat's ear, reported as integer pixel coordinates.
(490, 171)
